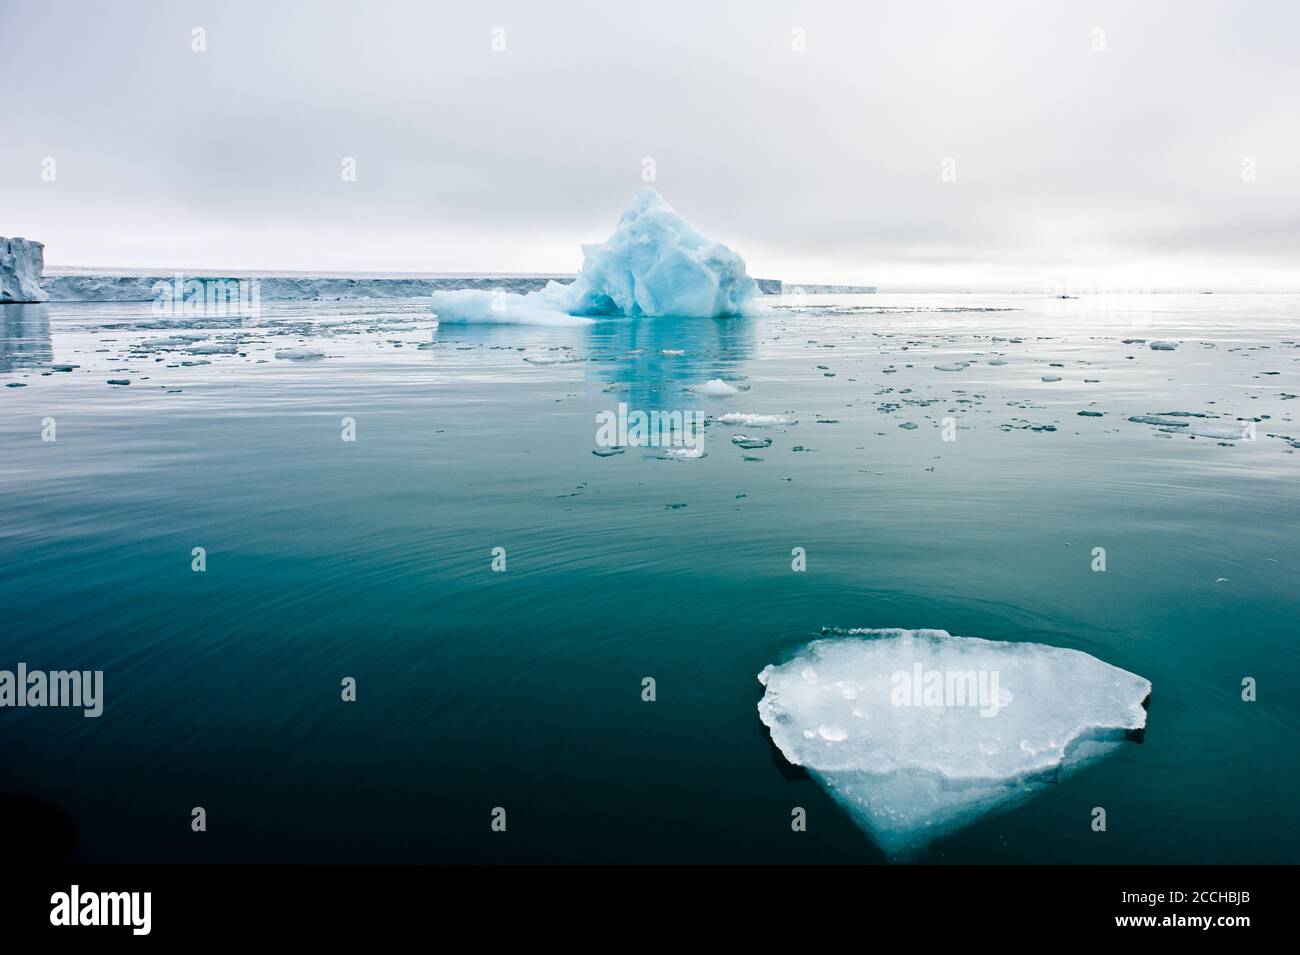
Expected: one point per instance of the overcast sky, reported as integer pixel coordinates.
(1093, 144)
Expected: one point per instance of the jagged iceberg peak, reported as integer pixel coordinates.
(655, 264)
(21, 264)
(917, 733)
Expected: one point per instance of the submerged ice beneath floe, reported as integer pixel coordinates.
(917, 733)
(654, 264)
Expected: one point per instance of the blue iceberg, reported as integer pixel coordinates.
(655, 264)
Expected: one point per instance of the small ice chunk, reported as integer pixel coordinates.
(1163, 346)
(300, 354)
(943, 729)
(753, 420)
(953, 366)
(554, 359)
(683, 454)
(750, 444)
(1051, 378)
(716, 388)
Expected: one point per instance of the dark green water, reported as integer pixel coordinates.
(372, 559)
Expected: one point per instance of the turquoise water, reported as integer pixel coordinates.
(476, 689)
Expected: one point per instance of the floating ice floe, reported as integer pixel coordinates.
(716, 388)
(683, 454)
(917, 732)
(1051, 378)
(300, 354)
(750, 444)
(1163, 346)
(554, 359)
(654, 264)
(754, 420)
(953, 366)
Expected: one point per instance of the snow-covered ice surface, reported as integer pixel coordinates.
(21, 263)
(654, 264)
(867, 716)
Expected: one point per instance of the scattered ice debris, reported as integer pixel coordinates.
(1051, 378)
(119, 381)
(716, 388)
(953, 366)
(300, 354)
(608, 452)
(1090, 414)
(997, 361)
(214, 349)
(908, 425)
(1163, 346)
(750, 444)
(926, 732)
(63, 367)
(655, 264)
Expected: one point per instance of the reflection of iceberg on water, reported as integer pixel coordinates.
(24, 337)
(655, 264)
(917, 733)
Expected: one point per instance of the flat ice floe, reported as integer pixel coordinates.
(654, 264)
(754, 420)
(917, 732)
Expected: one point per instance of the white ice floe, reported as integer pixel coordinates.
(753, 420)
(654, 264)
(716, 388)
(683, 454)
(299, 354)
(928, 731)
(554, 359)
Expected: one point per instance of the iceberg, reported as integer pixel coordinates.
(918, 732)
(21, 264)
(655, 264)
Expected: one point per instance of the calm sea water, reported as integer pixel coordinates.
(372, 559)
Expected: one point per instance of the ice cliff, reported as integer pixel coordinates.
(21, 264)
(917, 732)
(654, 264)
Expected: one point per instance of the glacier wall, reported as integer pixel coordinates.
(21, 264)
